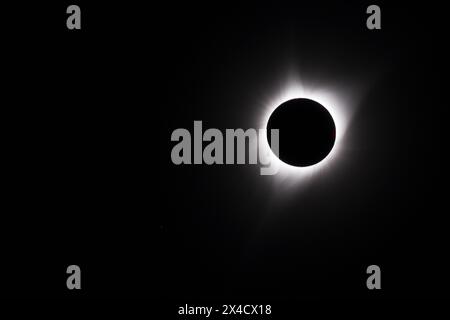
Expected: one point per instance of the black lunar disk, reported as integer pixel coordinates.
(307, 131)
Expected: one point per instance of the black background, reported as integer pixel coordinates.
(86, 121)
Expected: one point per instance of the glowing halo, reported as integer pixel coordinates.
(339, 110)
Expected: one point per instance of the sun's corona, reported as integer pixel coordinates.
(334, 105)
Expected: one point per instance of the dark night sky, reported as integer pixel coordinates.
(89, 181)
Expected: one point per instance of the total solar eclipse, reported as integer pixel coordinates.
(306, 131)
